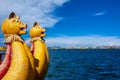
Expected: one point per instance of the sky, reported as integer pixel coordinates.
(69, 22)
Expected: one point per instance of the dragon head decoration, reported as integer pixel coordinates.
(13, 25)
(18, 58)
(37, 31)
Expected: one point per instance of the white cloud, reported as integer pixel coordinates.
(100, 13)
(65, 41)
(32, 10)
(83, 41)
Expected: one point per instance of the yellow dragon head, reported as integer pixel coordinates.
(13, 25)
(37, 31)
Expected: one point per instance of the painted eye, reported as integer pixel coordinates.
(16, 20)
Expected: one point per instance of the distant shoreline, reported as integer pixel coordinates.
(81, 48)
(84, 49)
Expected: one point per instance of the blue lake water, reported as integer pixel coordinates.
(84, 65)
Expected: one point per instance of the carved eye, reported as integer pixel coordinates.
(16, 20)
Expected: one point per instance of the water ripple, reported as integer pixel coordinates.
(84, 65)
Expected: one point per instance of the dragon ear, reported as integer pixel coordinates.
(12, 15)
(35, 24)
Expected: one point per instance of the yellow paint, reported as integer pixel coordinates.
(32, 67)
(20, 65)
(13, 26)
(40, 58)
(41, 54)
(37, 31)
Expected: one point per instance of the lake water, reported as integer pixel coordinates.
(84, 65)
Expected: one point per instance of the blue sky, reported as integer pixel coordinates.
(70, 22)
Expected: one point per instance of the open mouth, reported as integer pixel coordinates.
(24, 27)
(22, 30)
(42, 32)
(4, 66)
